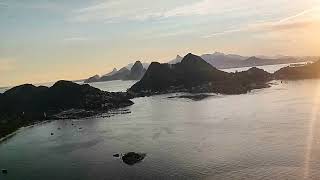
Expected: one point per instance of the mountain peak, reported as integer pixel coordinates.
(137, 71)
(193, 62)
(137, 65)
(190, 55)
(191, 58)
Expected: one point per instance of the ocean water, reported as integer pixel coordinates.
(269, 133)
(113, 86)
(268, 68)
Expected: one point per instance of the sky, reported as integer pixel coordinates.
(48, 40)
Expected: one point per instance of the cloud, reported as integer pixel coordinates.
(101, 6)
(107, 11)
(122, 10)
(226, 32)
(299, 14)
(204, 7)
(292, 25)
(287, 23)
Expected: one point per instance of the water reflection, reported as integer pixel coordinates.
(260, 135)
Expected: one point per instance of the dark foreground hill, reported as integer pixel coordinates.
(25, 104)
(193, 74)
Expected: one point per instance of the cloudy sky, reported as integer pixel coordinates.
(47, 40)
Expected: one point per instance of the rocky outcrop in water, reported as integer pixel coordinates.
(132, 158)
(195, 75)
(27, 103)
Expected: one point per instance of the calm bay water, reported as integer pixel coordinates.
(268, 68)
(266, 134)
(113, 86)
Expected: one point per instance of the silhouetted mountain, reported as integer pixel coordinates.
(145, 65)
(176, 60)
(136, 72)
(193, 74)
(94, 78)
(112, 72)
(255, 61)
(62, 95)
(27, 103)
(217, 59)
(120, 75)
(221, 60)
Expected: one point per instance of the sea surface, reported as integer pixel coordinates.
(113, 86)
(268, 68)
(270, 133)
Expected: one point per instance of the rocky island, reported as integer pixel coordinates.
(26, 104)
(308, 71)
(194, 75)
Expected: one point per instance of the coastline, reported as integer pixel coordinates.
(8, 136)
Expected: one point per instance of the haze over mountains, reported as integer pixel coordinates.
(217, 59)
(225, 61)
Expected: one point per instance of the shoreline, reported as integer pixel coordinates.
(8, 136)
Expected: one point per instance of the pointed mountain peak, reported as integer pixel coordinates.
(136, 65)
(191, 57)
(137, 62)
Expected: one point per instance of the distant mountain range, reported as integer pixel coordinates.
(225, 61)
(114, 71)
(145, 65)
(135, 72)
(195, 75)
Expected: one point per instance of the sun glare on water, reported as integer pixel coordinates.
(311, 131)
